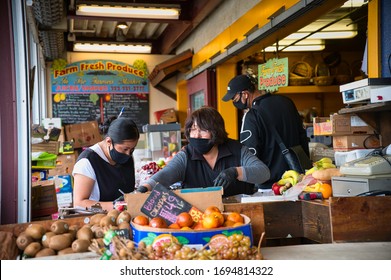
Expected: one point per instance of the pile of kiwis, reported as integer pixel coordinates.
(35, 241)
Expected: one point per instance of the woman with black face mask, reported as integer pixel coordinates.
(211, 159)
(106, 167)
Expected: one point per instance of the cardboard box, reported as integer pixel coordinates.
(352, 142)
(192, 238)
(83, 134)
(345, 124)
(166, 116)
(43, 198)
(52, 147)
(39, 175)
(198, 197)
(64, 165)
(64, 190)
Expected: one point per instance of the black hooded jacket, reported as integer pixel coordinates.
(281, 113)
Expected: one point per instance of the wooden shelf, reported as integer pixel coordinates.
(377, 115)
(373, 107)
(308, 89)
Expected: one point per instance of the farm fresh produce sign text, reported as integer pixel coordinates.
(273, 74)
(100, 76)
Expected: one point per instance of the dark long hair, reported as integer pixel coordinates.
(208, 118)
(123, 129)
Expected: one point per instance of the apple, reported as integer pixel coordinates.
(276, 189)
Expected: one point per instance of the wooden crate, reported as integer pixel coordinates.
(360, 219)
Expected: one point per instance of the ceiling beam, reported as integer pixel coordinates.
(176, 33)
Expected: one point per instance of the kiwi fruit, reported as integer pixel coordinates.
(59, 242)
(107, 221)
(124, 225)
(73, 231)
(45, 252)
(59, 227)
(85, 233)
(95, 219)
(65, 251)
(36, 231)
(23, 240)
(46, 237)
(124, 216)
(32, 249)
(80, 245)
(113, 213)
(98, 231)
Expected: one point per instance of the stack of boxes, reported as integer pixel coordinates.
(52, 186)
(349, 132)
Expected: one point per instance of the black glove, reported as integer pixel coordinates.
(226, 177)
(142, 189)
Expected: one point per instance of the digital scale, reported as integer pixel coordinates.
(353, 185)
(365, 90)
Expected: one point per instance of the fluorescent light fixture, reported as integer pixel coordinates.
(323, 35)
(296, 48)
(342, 29)
(128, 11)
(287, 42)
(122, 25)
(354, 3)
(304, 45)
(112, 48)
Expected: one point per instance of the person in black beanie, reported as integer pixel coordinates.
(106, 170)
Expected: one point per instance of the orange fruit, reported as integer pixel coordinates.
(198, 226)
(235, 217)
(174, 226)
(228, 223)
(211, 209)
(141, 220)
(237, 224)
(211, 221)
(326, 190)
(157, 222)
(218, 241)
(220, 216)
(184, 219)
(186, 228)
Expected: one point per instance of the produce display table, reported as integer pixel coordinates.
(362, 221)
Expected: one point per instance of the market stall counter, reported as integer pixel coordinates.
(360, 220)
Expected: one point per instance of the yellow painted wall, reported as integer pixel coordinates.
(374, 39)
(224, 73)
(257, 15)
(182, 101)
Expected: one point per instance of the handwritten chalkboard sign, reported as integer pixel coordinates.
(165, 204)
(90, 90)
(77, 108)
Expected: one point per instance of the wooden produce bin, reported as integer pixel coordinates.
(339, 219)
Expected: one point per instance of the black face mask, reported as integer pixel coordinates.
(238, 104)
(202, 145)
(118, 157)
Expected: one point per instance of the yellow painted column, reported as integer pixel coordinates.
(374, 46)
(182, 101)
(224, 73)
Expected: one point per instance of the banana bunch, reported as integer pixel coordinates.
(289, 176)
(288, 179)
(323, 163)
(313, 188)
